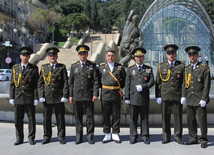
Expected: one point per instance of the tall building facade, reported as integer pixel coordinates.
(181, 22)
(13, 34)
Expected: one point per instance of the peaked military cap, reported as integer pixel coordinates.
(25, 50)
(191, 50)
(171, 48)
(52, 51)
(140, 51)
(82, 48)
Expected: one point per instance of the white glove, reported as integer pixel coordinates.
(139, 88)
(202, 103)
(42, 99)
(183, 100)
(127, 101)
(64, 99)
(158, 100)
(12, 101)
(36, 102)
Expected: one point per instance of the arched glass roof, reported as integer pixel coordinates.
(178, 22)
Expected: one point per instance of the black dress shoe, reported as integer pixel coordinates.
(62, 141)
(179, 142)
(31, 142)
(105, 141)
(204, 145)
(191, 143)
(146, 141)
(90, 141)
(133, 141)
(118, 141)
(45, 141)
(78, 141)
(18, 142)
(165, 141)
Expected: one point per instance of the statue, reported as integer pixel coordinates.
(131, 39)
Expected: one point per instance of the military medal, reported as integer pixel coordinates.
(90, 67)
(119, 68)
(133, 72)
(89, 76)
(145, 78)
(199, 79)
(104, 71)
(178, 75)
(76, 70)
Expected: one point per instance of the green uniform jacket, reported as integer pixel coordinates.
(199, 85)
(106, 79)
(58, 86)
(170, 90)
(83, 82)
(145, 78)
(26, 92)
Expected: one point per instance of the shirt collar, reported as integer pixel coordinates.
(82, 63)
(24, 65)
(173, 63)
(53, 65)
(139, 65)
(194, 64)
(111, 64)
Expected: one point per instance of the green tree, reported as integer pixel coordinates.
(88, 8)
(94, 16)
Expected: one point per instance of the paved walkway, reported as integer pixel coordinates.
(7, 138)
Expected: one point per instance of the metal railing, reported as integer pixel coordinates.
(7, 11)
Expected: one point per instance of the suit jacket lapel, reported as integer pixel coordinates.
(56, 68)
(115, 67)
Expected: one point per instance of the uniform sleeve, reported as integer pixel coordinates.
(158, 85)
(96, 82)
(184, 90)
(36, 77)
(12, 87)
(127, 85)
(151, 81)
(207, 83)
(65, 85)
(122, 82)
(71, 82)
(41, 85)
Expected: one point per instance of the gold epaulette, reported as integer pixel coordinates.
(131, 65)
(204, 65)
(74, 62)
(91, 61)
(161, 62)
(102, 63)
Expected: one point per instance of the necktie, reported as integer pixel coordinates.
(171, 66)
(23, 69)
(82, 66)
(192, 67)
(139, 68)
(52, 67)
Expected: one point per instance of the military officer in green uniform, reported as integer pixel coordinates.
(196, 95)
(111, 80)
(53, 92)
(24, 95)
(168, 89)
(139, 79)
(83, 92)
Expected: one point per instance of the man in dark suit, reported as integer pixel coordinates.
(84, 91)
(24, 95)
(139, 79)
(196, 93)
(53, 92)
(168, 88)
(111, 80)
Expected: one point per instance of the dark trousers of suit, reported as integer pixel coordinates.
(201, 113)
(134, 113)
(176, 108)
(59, 110)
(19, 112)
(111, 108)
(79, 108)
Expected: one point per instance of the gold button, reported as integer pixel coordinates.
(52, 74)
(192, 92)
(111, 82)
(139, 79)
(22, 81)
(81, 87)
(191, 77)
(52, 88)
(82, 82)
(191, 86)
(171, 87)
(139, 75)
(172, 73)
(171, 82)
(52, 83)
(82, 77)
(191, 81)
(172, 78)
(52, 78)
(23, 91)
(22, 86)
(82, 73)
